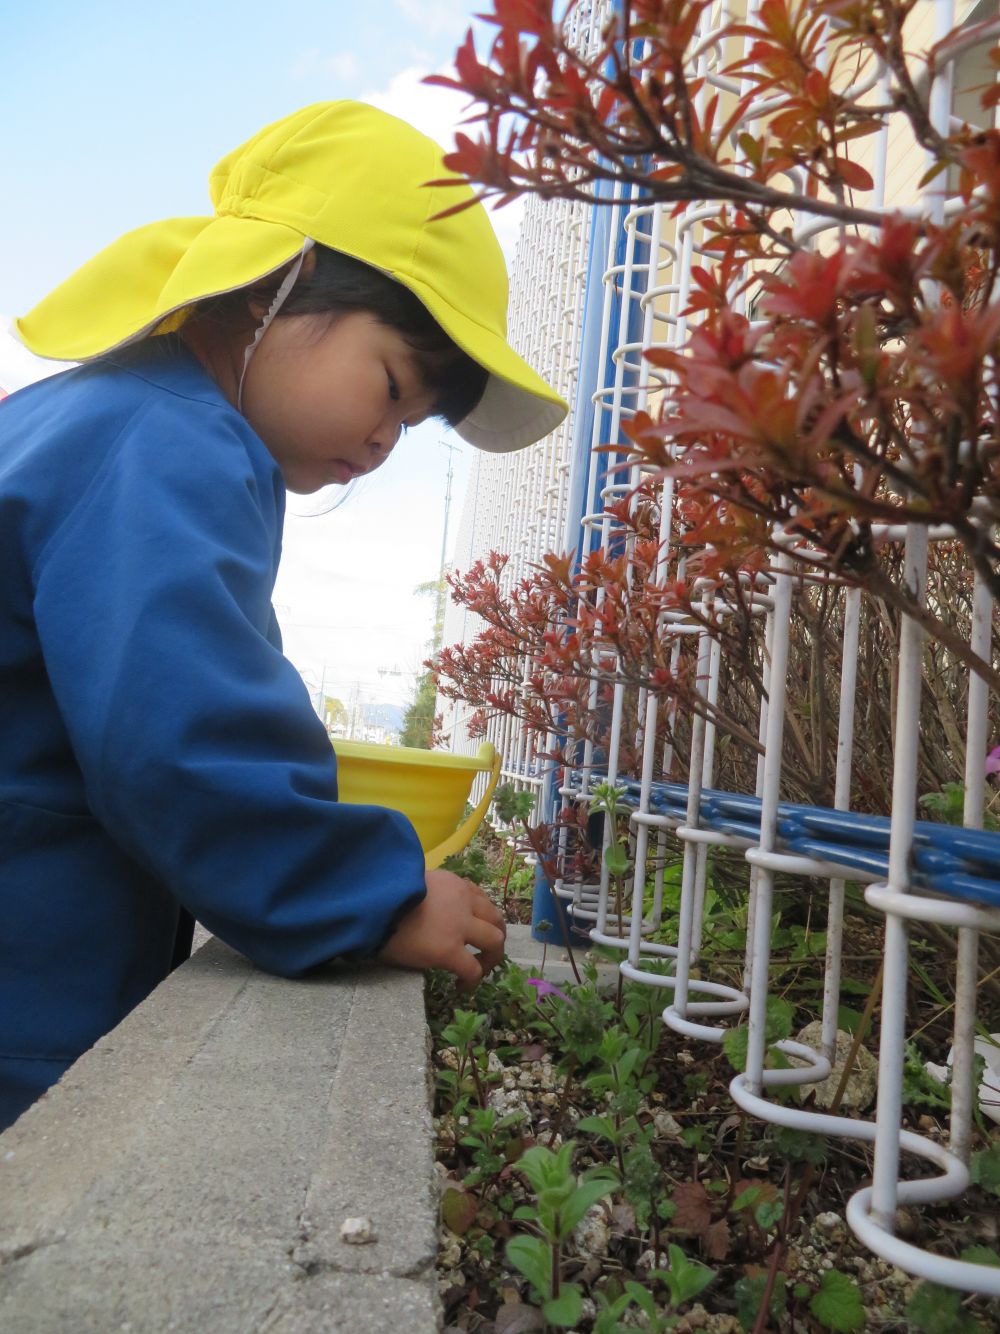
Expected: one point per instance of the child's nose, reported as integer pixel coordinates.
(385, 439)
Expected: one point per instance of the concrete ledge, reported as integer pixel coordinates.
(192, 1172)
(553, 961)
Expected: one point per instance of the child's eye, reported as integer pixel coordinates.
(393, 387)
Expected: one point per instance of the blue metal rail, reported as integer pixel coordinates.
(960, 863)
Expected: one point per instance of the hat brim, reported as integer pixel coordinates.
(517, 407)
(135, 285)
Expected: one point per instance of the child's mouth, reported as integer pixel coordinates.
(344, 471)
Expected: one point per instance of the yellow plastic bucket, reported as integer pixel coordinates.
(430, 787)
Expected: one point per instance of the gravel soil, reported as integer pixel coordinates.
(707, 1157)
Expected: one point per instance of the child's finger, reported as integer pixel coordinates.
(490, 959)
(466, 968)
(484, 936)
(486, 910)
(491, 951)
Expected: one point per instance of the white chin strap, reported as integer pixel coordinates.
(280, 297)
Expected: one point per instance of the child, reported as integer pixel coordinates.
(159, 758)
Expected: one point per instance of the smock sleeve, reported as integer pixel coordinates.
(199, 749)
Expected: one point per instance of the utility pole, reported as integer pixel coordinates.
(451, 447)
(355, 710)
(322, 699)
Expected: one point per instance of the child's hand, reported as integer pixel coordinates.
(434, 934)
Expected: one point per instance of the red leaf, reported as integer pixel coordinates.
(817, 87)
(534, 16)
(716, 1240)
(854, 176)
(694, 1212)
(458, 1210)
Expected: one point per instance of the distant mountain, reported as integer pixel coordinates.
(389, 716)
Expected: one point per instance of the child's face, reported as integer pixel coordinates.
(331, 400)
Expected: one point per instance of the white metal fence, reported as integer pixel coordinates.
(912, 871)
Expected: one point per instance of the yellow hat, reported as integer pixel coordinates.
(349, 177)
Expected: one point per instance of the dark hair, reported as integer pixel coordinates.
(339, 284)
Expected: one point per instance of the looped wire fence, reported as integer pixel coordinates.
(594, 290)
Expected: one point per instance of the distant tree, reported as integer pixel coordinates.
(418, 720)
(420, 716)
(438, 590)
(334, 713)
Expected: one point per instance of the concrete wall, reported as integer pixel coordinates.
(194, 1170)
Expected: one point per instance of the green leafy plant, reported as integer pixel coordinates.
(512, 804)
(463, 1033)
(837, 1304)
(607, 800)
(518, 877)
(515, 807)
(948, 805)
(920, 1087)
(984, 1168)
(471, 863)
(685, 1278)
(684, 1281)
(798, 1146)
(561, 1200)
(749, 1294)
(646, 1188)
(778, 1026)
(934, 1309)
(509, 1000)
(620, 1071)
(494, 1142)
(581, 1027)
(641, 1012)
(763, 1203)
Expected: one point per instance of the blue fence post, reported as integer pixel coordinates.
(546, 920)
(545, 913)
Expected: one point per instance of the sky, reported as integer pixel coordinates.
(114, 114)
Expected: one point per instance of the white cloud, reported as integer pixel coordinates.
(435, 17)
(439, 112)
(436, 111)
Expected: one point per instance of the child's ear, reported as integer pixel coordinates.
(261, 294)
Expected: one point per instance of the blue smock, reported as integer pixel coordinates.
(157, 750)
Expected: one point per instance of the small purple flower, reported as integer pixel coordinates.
(543, 988)
(993, 761)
